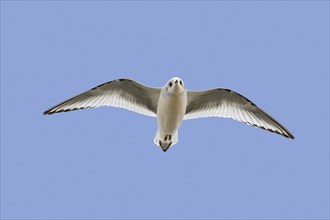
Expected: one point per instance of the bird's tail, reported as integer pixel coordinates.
(165, 141)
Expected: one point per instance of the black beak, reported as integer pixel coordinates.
(176, 81)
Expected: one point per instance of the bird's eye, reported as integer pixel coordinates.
(170, 84)
(180, 82)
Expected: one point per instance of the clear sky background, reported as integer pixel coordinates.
(102, 163)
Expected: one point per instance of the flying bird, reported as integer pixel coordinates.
(172, 104)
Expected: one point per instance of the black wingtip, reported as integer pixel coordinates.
(287, 134)
(290, 136)
(47, 112)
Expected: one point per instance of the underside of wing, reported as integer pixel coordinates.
(122, 93)
(229, 104)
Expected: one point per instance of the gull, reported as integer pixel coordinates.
(172, 104)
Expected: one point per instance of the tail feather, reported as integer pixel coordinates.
(165, 141)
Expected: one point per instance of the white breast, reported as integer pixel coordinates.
(170, 111)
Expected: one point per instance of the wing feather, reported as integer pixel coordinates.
(122, 93)
(229, 104)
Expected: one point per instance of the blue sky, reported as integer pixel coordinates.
(102, 163)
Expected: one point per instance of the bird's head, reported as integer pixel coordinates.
(175, 85)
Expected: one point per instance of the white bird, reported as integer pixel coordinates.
(171, 105)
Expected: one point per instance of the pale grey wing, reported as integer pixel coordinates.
(122, 93)
(229, 104)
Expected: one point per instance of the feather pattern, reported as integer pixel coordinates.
(229, 104)
(122, 93)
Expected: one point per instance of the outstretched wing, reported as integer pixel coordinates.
(122, 93)
(229, 104)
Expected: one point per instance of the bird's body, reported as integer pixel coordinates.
(171, 105)
(171, 109)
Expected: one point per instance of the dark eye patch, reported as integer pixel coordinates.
(180, 82)
(170, 84)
